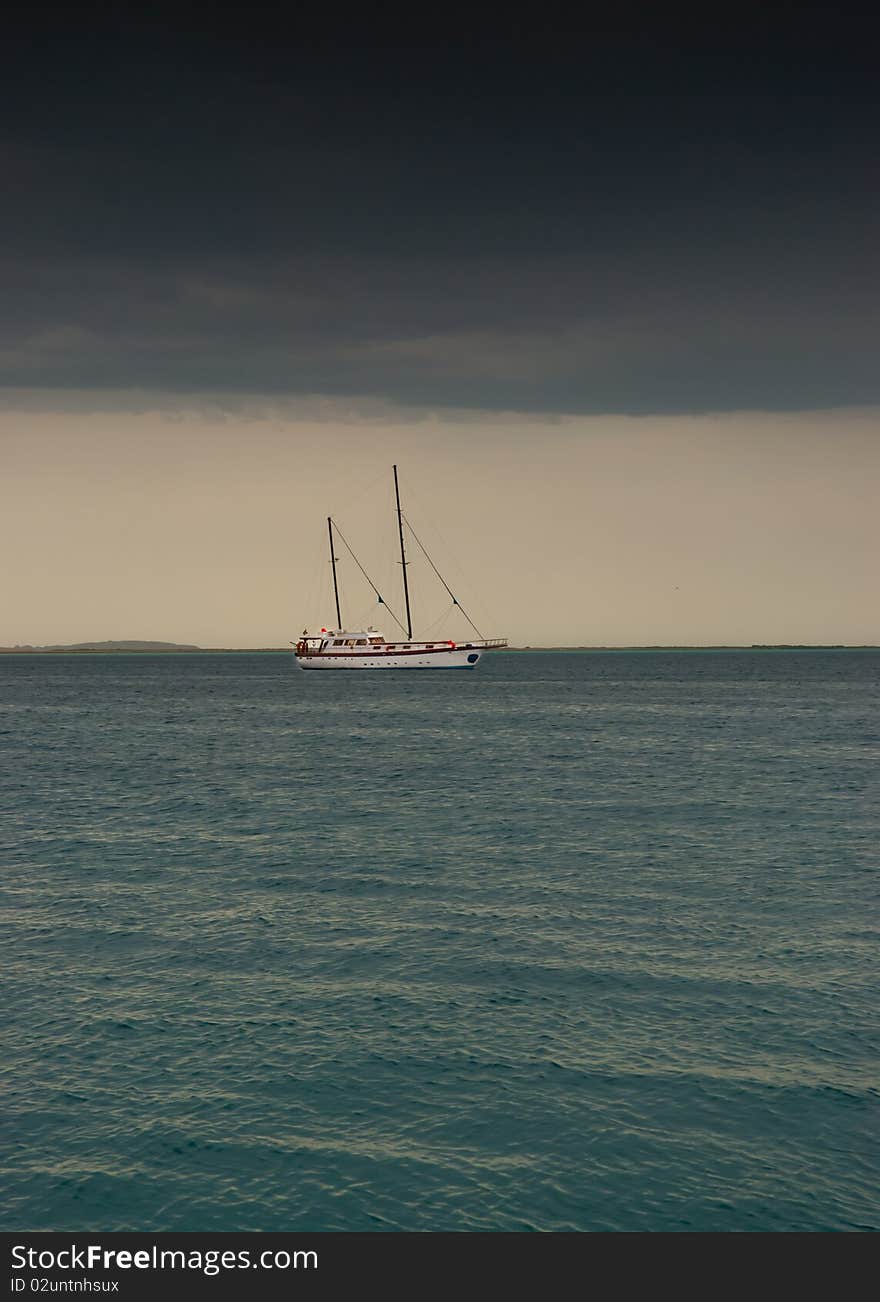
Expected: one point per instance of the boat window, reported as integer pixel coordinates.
(340, 641)
(376, 641)
(349, 641)
(362, 641)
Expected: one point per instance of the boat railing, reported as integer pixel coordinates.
(490, 643)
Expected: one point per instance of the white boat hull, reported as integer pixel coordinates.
(448, 658)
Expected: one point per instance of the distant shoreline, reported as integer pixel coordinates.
(98, 649)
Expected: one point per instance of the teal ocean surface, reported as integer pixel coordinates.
(580, 941)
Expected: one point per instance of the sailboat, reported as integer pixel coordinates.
(368, 648)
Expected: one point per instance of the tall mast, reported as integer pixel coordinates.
(403, 558)
(333, 563)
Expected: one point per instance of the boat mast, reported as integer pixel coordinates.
(402, 558)
(333, 563)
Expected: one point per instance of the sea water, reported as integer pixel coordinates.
(580, 941)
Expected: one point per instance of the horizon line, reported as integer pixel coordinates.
(171, 648)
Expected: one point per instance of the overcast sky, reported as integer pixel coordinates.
(622, 282)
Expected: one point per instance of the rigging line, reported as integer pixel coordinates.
(455, 601)
(429, 631)
(357, 495)
(461, 576)
(341, 535)
(317, 599)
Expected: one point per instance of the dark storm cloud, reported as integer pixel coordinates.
(547, 334)
(619, 227)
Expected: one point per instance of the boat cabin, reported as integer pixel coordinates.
(369, 641)
(338, 640)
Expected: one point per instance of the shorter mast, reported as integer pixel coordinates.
(333, 563)
(402, 559)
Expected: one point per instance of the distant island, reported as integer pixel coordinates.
(103, 646)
